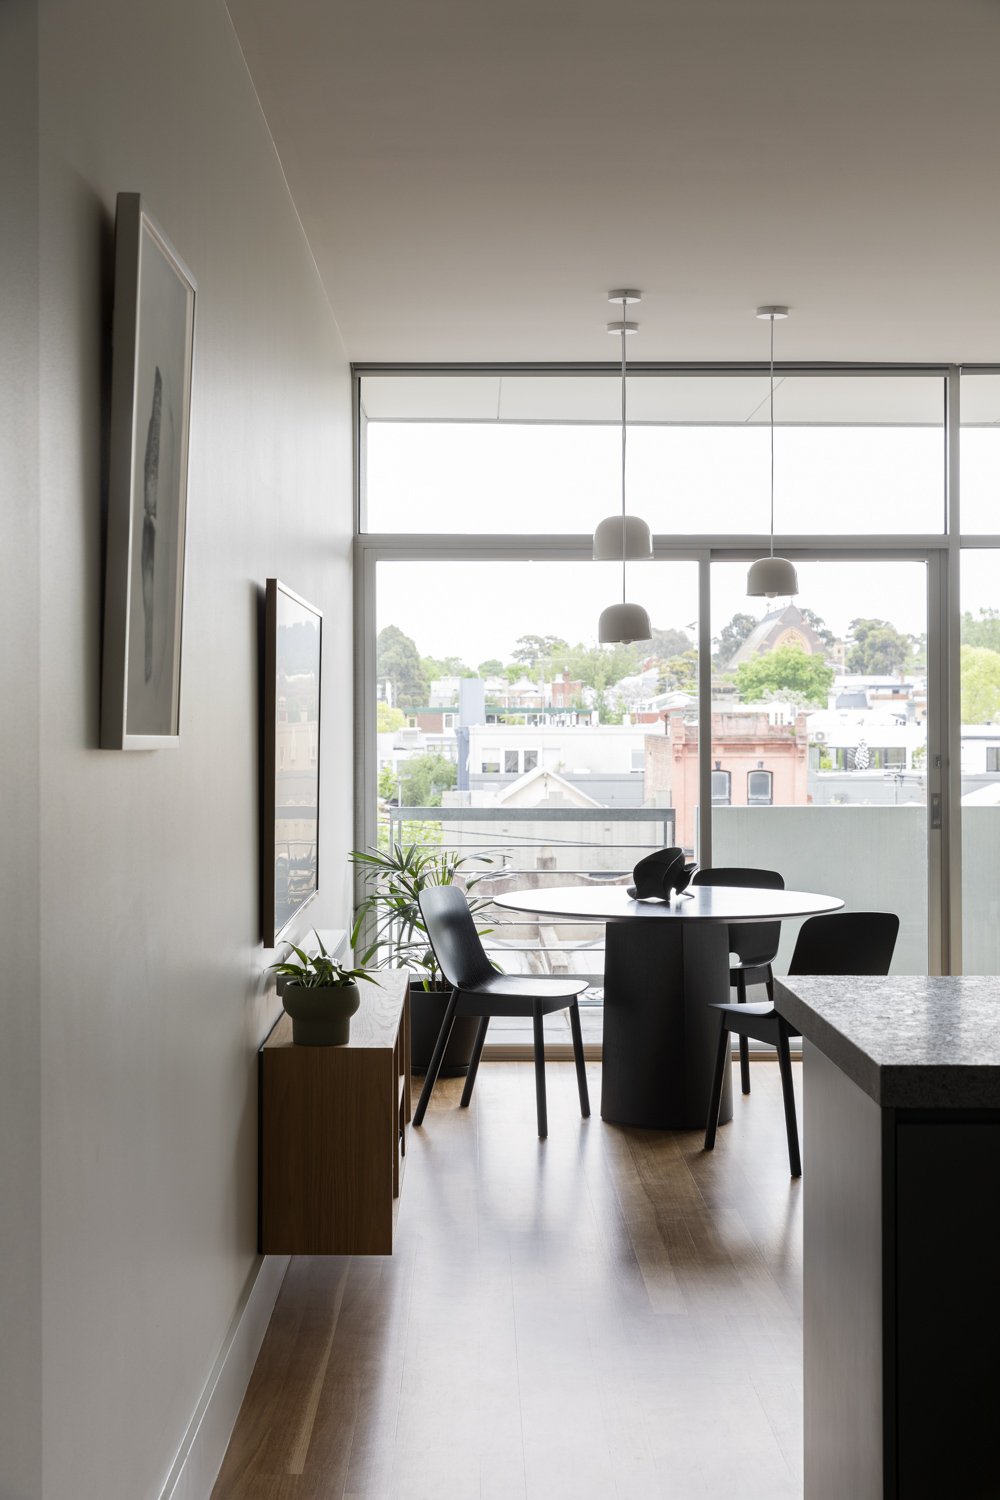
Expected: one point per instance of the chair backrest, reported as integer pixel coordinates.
(453, 936)
(755, 942)
(846, 942)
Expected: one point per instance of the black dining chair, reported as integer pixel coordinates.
(479, 989)
(851, 942)
(755, 943)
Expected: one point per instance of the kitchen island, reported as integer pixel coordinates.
(901, 1100)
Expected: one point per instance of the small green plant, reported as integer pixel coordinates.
(394, 880)
(318, 971)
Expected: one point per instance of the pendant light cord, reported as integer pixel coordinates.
(623, 449)
(772, 434)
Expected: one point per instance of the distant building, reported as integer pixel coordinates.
(782, 627)
(755, 762)
(603, 760)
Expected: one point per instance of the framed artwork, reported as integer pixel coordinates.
(293, 650)
(153, 344)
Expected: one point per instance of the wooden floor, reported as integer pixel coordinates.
(608, 1313)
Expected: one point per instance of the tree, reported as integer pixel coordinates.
(877, 648)
(980, 685)
(531, 650)
(819, 627)
(423, 778)
(493, 667)
(731, 637)
(445, 666)
(398, 661)
(387, 784)
(680, 673)
(668, 643)
(388, 719)
(984, 631)
(788, 671)
(598, 666)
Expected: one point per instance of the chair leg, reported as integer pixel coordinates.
(788, 1098)
(477, 1052)
(581, 1066)
(741, 996)
(769, 984)
(543, 1119)
(715, 1099)
(436, 1058)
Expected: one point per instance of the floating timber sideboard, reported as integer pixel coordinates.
(333, 1131)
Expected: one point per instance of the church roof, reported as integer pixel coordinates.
(778, 628)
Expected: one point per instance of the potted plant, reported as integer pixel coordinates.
(398, 939)
(320, 995)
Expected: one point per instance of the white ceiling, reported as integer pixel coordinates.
(473, 175)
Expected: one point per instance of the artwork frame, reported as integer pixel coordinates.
(151, 379)
(292, 661)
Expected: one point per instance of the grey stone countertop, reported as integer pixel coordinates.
(909, 1042)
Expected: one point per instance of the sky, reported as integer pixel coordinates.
(498, 478)
(477, 610)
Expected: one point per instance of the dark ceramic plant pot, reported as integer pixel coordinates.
(321, 1015)
(427, 1008)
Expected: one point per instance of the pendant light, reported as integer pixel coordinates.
(770, 576)
(623, 536)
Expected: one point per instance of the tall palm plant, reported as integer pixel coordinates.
(397, 937)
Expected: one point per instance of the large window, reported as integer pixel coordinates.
(520, 455)
(811, 735)
(558, 769)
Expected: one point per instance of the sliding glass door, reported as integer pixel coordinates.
(819, 737)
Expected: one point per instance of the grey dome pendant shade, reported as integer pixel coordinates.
(770, 576)
(621, 624)
(608, 539)
(623, 537)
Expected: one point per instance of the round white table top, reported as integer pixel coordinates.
(699, 903)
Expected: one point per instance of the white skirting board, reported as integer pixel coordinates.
(199, 1458)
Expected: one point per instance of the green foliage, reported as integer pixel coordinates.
(789, 671)
(597, 667)
(980, 685)
(388, 719)
(492, 667)
(445, 666)
(819, 627)
(680, 673)
(388, 784)
(982, 630)
(666, 644)
(425, 832)
(877, 648)
(423, 778)
(532, 650)
(318, 971)
(394, 880)
(731, 637)
(398, 660)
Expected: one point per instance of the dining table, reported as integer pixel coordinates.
(666, 962)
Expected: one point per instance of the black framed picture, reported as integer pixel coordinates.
(293, 650)
(153, 350)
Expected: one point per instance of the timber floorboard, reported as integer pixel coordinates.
(609, 1313)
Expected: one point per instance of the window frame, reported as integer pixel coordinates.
(941, 552)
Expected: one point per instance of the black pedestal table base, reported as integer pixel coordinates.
(660, 1037)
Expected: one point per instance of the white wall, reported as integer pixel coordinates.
(152, 996)
(20, 1107)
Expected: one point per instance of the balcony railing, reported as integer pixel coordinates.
(531, 848)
